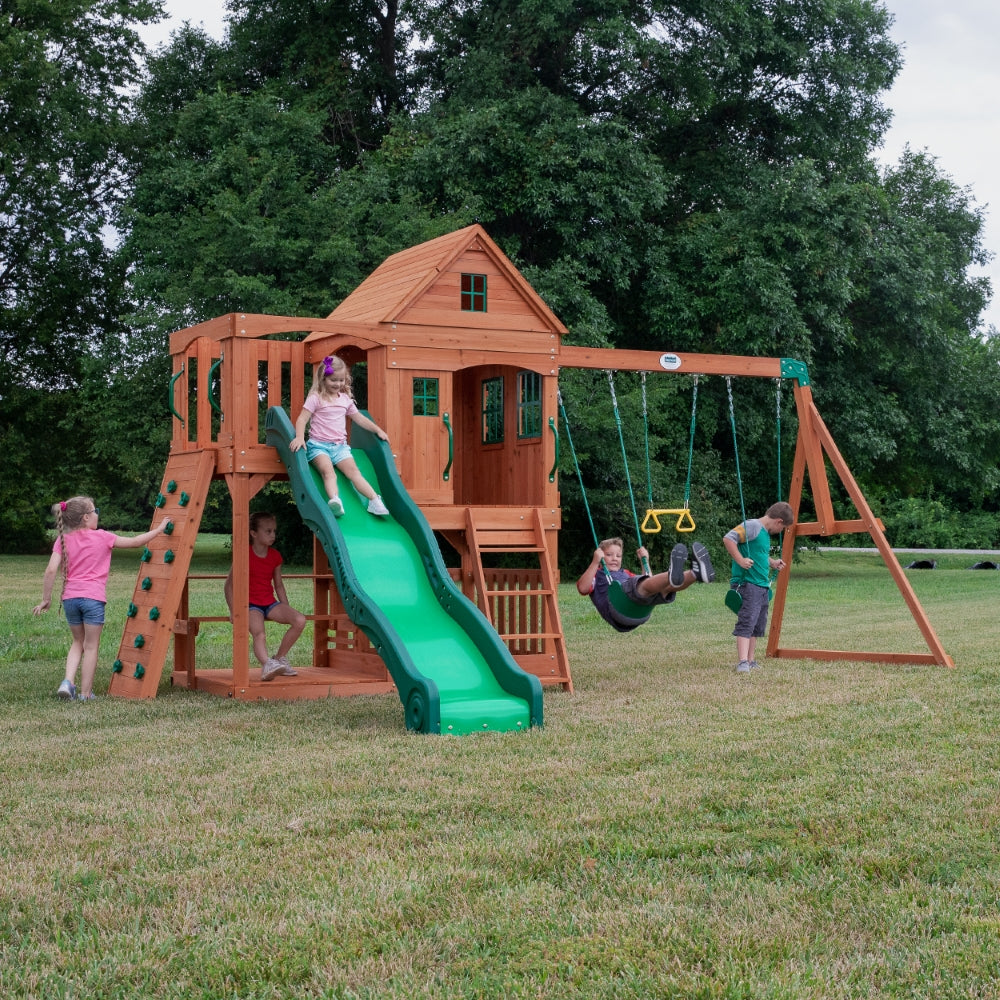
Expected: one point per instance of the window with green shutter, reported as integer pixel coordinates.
(474, 293)
(492, 410)
(529, 405)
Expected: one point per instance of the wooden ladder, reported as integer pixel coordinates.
(522, 605)
(162, 577)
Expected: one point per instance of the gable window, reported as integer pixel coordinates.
(529, 405)
(474, 293)
(425, 397)
(492, 411)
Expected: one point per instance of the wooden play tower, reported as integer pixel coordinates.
(462, 359)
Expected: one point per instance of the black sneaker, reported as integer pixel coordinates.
(701, 564)
(678, 562)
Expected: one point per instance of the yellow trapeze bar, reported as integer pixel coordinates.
(651, 524)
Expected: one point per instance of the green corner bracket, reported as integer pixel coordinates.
(790, 368)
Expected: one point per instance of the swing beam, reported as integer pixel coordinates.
(814, 447)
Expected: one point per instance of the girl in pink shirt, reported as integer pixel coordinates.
(326, 410)
(84, 552)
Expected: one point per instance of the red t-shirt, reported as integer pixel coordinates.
(262, 576)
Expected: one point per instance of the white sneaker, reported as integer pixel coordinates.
(270, 670)
(287, 670)
(375, 506)
(337, 506)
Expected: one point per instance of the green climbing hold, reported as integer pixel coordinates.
(154, 614)
(140, 641)
(140, 671)
(132, 610)
(117, 666)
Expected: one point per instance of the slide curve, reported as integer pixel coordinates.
(452, 671)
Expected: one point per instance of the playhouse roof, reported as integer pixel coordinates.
(419, 286)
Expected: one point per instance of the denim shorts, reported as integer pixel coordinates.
(264, 609)
(83, 611)
(337, 453)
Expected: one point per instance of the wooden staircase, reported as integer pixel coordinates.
(162, 577)
(521, 604)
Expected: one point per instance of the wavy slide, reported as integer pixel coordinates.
(452, 671)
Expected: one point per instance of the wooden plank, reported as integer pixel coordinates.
(853, 655)
(649, 361)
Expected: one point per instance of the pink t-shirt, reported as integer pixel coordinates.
(89, 554)
(329, 419)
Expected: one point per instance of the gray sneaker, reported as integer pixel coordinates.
(287, 670)
(67, 690)
(754, 665)
(377, 507)
(270, 670)
(701, 564)
(678, 561)
(743, 667)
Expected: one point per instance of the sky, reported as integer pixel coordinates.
(945, 101)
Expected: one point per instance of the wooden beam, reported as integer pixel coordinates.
(685, 364)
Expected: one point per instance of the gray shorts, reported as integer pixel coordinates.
(751, 621)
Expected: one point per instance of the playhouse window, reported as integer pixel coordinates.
(425, 397)
(474, 293)
(492, 411)
(529, 405)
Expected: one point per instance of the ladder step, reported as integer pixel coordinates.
(511, 548)
(530, 635)
(514, 593)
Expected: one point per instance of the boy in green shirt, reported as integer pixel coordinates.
(749, 546)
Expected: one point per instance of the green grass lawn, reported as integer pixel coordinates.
(814, 829)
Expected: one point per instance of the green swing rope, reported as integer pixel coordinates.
(616, 595)
(628, 477)
(736, 453)
(579, 474)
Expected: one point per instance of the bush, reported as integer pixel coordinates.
(913, 522)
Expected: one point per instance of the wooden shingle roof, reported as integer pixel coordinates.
(420, 286)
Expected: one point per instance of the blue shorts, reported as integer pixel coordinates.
(264, 609)
(337, 453)
(83, 611)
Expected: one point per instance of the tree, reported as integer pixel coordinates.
(65, 75)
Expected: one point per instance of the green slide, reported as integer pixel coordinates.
(453, 673)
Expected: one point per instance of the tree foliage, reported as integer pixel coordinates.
(694, 175)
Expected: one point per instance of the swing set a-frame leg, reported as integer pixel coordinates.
(813, 445)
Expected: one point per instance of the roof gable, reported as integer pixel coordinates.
(420, 286)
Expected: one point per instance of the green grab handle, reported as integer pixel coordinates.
(451, 447)
(211, 395)
(555, 465)
(170, 396)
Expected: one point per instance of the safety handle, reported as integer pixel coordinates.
(211, 395)
(170, 396)
(446, 475)
(554, 427)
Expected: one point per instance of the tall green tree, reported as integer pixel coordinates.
(66, 73)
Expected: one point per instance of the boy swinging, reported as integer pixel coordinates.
(645, 590)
